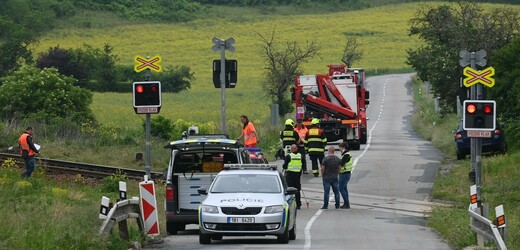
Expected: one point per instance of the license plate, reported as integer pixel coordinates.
(241, 219)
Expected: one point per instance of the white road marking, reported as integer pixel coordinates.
(308, 229)
(309, 224)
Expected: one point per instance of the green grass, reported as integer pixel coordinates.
(382, 33)
(500, 179)
(42, 213)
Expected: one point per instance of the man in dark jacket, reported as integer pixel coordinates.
(329, 171)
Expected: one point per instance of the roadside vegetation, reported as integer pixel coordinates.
(500, 178)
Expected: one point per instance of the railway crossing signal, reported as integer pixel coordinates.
(147, 97)
(479, 115)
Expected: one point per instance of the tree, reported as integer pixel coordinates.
(45, 93)
(351, 52)
(283, 64)
(62, 60)
(21, 22)
(446, 30)
(507, 68)
(94, 68)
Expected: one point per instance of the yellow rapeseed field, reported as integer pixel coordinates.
(382, 33)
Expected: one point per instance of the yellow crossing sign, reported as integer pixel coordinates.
(144, 63)
(474, 76)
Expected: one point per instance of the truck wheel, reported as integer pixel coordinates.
(356, 145)
(363, 137)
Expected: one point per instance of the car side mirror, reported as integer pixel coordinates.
(291, 191)
(202, 191)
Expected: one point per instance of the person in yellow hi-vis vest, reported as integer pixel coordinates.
(315, 142)
(293, 171)
(345, 171)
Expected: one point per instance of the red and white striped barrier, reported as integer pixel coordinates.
(149, 207)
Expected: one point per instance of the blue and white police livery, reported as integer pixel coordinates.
(246, 200)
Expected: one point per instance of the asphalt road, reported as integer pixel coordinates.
(389, 189)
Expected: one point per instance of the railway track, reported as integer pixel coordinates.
(53, 167)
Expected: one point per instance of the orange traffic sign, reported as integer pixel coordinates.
(474, 76)
(144, 63)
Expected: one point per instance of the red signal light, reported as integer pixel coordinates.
(471, 108)
(139, 89)
(488, 109)
(154, 88)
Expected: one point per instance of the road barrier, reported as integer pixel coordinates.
(484, 227)
(121, 211)
(149, 207)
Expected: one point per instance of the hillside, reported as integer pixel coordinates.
(382, 33)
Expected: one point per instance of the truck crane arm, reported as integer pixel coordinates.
(323, 106)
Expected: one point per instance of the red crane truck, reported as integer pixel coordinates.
(339, 100)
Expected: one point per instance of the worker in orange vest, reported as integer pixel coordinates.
(248, 133)
(27, 151)
(302, 131)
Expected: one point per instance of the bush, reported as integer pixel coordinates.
(160, 127)
(111, 183)
(47, 94)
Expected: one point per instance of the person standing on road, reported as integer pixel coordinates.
(293, 166)
(315, 142)
(344, 173)
(301, 130)
(27, 151)
(329, 172)
(288, 135)
(248, 133)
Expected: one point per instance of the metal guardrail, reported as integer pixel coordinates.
(484, 227)
(121, 211)
(86, 169)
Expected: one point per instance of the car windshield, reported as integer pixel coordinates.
(246, 183)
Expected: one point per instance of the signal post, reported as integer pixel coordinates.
(147, 98)
(479, 115)
(479, 121)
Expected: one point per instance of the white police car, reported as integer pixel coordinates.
(246, 200)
